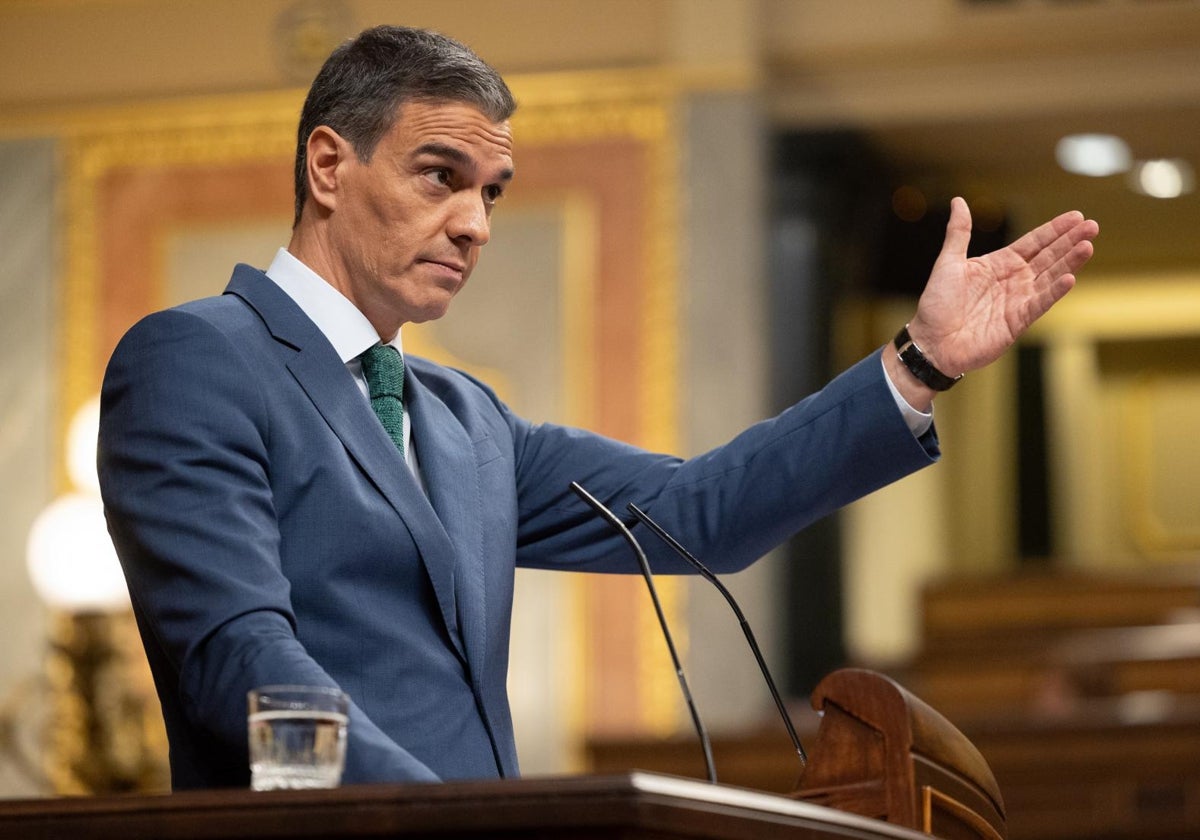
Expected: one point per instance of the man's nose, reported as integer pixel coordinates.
(469, 220)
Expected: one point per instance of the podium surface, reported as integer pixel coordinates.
(633, 805)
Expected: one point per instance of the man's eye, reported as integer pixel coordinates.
(441, 177)
(493, 193)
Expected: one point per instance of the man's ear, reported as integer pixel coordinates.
(326, 153)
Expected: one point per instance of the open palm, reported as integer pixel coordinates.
(973, 309)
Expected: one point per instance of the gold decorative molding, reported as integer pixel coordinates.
(170, 115)
(642, 106)
(660, 396)
(97, 142)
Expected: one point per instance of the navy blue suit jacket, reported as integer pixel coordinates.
(271, 533)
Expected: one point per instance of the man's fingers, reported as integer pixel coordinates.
(1069, 227)
(1073, 260)
(1029, 245)
(1066, 248)
(1061, 277)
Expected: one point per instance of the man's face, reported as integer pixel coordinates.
(408, 226)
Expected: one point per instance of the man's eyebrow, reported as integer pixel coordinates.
(444, 151)
(457, 156)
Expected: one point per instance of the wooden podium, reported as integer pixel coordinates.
(883, 753)
(635, 805)
(878, 755)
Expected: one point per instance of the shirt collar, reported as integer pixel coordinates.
(339, 320)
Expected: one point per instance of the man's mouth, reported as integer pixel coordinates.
(452, 266)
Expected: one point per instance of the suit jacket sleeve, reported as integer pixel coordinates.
(186, 485)
(730, 505)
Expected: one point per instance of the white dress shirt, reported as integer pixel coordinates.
(918, 421)
(347, 329)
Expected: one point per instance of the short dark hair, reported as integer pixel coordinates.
(360, 88)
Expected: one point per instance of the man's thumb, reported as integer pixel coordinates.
(958, 230)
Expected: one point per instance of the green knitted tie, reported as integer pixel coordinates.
(384, 369)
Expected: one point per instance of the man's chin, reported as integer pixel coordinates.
(429, 312)
(433, 303)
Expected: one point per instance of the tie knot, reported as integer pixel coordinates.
(383, 369)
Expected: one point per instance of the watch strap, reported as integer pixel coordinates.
(912, 357)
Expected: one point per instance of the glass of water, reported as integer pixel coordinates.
(297, 736)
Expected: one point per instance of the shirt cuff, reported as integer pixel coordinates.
(918, 421)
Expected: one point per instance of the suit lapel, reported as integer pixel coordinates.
(324, 378)
(450, 469)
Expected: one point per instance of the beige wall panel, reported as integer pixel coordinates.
(28, 444)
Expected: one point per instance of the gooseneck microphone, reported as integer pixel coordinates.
(704, 571)
(615, 521)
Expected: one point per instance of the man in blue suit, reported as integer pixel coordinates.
(274, 529)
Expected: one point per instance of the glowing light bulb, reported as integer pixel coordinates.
(1097, 155)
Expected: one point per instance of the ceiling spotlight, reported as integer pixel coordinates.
(1164, 178)
(1093, 154)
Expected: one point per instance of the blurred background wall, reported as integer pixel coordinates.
(775, 175)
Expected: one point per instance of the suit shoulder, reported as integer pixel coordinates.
(210, 332)
(220, 314)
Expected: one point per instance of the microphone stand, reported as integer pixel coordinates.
(615, 521)
(704, 571)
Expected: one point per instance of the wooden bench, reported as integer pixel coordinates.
(1051, 675)
(1004, 611)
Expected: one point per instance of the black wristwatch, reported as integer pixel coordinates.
(919, 366)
